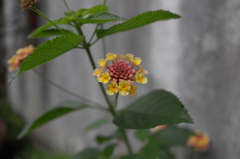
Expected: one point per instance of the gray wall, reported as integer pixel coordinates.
(196, 57)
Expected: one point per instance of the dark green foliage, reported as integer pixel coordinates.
(100, 18)
(173, 136)
(97, 123)
(39, 31)
(108, 151)
(143, 134)
(156, 108)
(138, 21)
(62, 109)
(48, 51)
(89, 153)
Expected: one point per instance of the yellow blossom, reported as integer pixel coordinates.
(129, 57)
(13, 63)
(13, 60)
(102, 62)
(29, 49)
(124, 87)
(97, 72)
(142, 71)
(24, 52)
(104, 77)
(199, 142)
(112, 88)
(132, 91)
(141, 79)
(136, 60)
(122, 71)
(111, 56)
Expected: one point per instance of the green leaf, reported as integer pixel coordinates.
(94, 10)
(89, 153)
(107, 152)
(165, 154)
(132, 156)
(69, 13)
(97, 123)
(80, 11)
(62, 109)
(100, 18)
(46, 26)
(102, 139)
(156, 108)
(138, 21)
(51, 32)
(173, 136)
(149, 151)
(143, 134)
(48, 51)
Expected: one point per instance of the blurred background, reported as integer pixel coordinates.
(195, 57)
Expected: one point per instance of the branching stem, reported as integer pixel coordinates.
(67, 91)
(45, 17)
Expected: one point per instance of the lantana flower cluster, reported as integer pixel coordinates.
(27, 4)
(121, 71)
(199, 141)
(15, 61)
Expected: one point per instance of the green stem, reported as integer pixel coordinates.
(116, 99)
(111, 107)
(93, 34)
(66, 4)
(123, 132)
(45, 17)
(104, 43)
(104, 4)
(67, 91)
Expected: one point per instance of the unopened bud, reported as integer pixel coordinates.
(27, 4)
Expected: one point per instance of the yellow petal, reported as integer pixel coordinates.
(102, 62)
(141, 79)
(129, 57)
(112, 88)
(111, 56)
(136, 61)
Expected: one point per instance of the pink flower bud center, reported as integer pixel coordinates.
(121, 70)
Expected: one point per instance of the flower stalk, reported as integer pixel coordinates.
(45, 17)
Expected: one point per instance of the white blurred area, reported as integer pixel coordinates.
(195, 57)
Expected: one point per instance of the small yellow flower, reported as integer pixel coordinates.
(124, 87)
(142, 71)
(132, 91)
(141, 79)
(121, 71)
(136, 60)
(13, 60)
(104, 77)
(29, 49)
(13, 63)
(17, 59)
(102, 62)
(129, 57)
(97, 72)
(199, 142)
(111, 56)
(112, 88)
